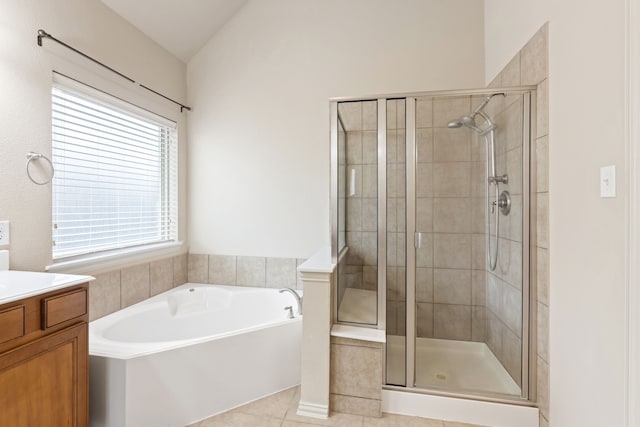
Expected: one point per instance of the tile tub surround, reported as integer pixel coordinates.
(117, 289)
(279, 410)
(530, 67)
(255, 271)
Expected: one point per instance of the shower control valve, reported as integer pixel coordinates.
(504, 202)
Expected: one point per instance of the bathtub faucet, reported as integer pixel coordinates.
(296, 296)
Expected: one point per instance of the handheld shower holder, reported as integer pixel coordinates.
(502, 179)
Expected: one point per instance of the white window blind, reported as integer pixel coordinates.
(115, 182)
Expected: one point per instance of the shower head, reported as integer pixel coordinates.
(466, 121)
(470, 122)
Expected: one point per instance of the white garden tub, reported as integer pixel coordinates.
(190, 353)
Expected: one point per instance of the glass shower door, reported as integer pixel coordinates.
(468, 316)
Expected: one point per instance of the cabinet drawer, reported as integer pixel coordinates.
(60, 308)
(11, 323)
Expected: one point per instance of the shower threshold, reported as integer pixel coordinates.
(450, 365)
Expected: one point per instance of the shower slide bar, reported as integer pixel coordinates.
(42, 34)
(502, 200)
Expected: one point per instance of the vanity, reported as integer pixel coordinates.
(43, 349)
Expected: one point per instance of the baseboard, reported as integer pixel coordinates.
(313, 410)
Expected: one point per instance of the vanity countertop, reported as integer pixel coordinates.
(15, 285)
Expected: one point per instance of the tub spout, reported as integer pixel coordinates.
(296, 296)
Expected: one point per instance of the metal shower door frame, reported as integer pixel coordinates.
(528, 379)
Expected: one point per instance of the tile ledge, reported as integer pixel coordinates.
(357, 333)
(320, 262)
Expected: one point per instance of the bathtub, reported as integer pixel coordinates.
(190, 353)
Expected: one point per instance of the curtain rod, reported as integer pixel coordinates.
(43, 34)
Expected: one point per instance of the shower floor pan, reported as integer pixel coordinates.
(450, 365)
(443, 364)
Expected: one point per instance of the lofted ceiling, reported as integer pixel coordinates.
(180, 26)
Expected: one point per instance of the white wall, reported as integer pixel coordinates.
(259, 145)
(25, 85)
(508, 26)
(587, 233)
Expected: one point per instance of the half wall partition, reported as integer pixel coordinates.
(430, 228)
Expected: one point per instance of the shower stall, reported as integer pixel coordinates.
(430, 233)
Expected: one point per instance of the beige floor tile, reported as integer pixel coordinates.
(296, 396)
(275, 405)
(335, 420)
(394, 420)
(289, 423)
(279, 410)
(455, 424)
(238, 419)
(292, 423)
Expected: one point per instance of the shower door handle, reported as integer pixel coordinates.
(417, 238)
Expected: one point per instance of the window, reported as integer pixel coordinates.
(115, 174)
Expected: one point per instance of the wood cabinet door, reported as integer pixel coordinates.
(44, 383)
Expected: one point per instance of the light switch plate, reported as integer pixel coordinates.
(4, 233)
(608, 181)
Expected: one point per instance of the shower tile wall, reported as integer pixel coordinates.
(450, 170)
(530, 67)
(504, 284)
(396, 217)
(360, 123)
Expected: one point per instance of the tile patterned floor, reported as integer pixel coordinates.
(279, 410)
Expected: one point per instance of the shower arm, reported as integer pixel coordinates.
(484, 103)
(488, 132)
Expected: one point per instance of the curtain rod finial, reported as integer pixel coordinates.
(42, 33)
